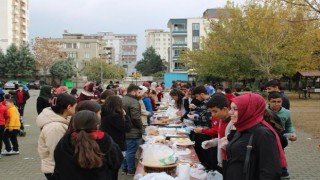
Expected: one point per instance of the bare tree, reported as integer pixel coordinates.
(313, 4)
(46, 53)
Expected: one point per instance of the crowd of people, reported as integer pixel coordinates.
(94, 134)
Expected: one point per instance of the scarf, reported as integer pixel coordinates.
(251, 108)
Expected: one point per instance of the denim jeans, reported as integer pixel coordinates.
(129, 160)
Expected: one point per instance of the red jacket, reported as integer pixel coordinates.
(213, 131)
(3, 114)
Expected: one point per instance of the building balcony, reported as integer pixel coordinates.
(16, 12)
(179, 31)
(16, 20)
(16, 4)
(24, 8)
(128, 53)
(179, 43)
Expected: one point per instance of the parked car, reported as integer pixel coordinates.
(10, 84)
(36, 84)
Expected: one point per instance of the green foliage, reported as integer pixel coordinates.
(2, 60)
(109, 71)
(27, 62)
(261, 39)
(63, 69)
(151, 63)
(18, 62)
(158, 74)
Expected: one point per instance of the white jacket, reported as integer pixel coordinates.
(53, 127)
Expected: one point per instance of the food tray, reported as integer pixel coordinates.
(169, 169)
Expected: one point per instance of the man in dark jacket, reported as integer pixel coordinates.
(133, 110)
(202, 118)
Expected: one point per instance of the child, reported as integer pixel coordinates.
(3, 114)
(6, 97)
(12, 129)
(21, 98)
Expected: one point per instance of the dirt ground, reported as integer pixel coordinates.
(306, 113)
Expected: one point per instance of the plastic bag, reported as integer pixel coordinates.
(214, 175)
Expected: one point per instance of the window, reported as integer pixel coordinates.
(195, 26)
(178, 65)
(72, 54)
(69, 45)
(176, 52)
(195, 39)
(87, 55)
(72, 45)
(86, 45)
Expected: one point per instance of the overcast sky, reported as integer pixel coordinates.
(48, 18)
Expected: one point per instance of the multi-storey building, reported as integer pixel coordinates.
(124, 49)
(160, 41)
(186, 34)
(81, 47)
(118, 49)
(14, 22)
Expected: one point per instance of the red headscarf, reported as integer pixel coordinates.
(251, 108)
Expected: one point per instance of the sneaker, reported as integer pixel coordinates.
(285, 175)
(131, 172)
(15, 152)
(124, 171)
(5, 152)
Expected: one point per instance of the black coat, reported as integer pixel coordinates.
(114, 125)
(264, 159)
(67, 168)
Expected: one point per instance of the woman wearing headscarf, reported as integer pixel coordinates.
(43, 99)
(255, 150)
(88, 93)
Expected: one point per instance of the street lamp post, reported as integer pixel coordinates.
(101, 73)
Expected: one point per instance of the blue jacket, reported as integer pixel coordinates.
(147, 103)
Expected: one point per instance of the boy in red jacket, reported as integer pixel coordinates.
(3, 114)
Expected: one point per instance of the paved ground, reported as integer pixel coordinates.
(303, 155)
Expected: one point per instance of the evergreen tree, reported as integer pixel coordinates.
(151, 63)
(11, 62)
(63, 69)
(27, 61)
(2, 59)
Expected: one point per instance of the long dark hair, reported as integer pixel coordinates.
(113, 104)
(180, 94)
(87, 152)
(84, 105)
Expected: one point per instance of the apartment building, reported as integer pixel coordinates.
(124, 49)
(14, 22)
(118, 49)
(186, 33)
(160, 41)
(80, 47)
